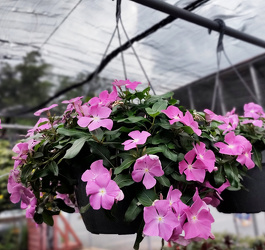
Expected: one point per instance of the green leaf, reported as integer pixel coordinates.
(163, 180)
(38, 218)
(219, 177)
(47, 218)
(132, 119)
(154, 150)
(125, 164)
(100, 150)
(75, 148)
(188, 130)
(139, 237)
(133, 211)
(146, 197)
(60, 203)
(98, 133)
(72, 132)
(26, 171)
(53, 167)
(155, 98)
(160, 105)
(169, 154)
(123, 180)
(84, 208)
(257, 157)
(232, 175)
(37, 155)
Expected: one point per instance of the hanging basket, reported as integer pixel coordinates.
(107, 222)
(249, 200)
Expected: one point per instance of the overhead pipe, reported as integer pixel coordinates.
(199, 20)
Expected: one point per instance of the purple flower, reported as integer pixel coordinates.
(146, 167)
(194, 170)
(127, 83)
(103, 192)
(0, 124)
(98, 118)
(38, 113)
(199, 220)
(104, 99)
(206, 156)
(19, 192)
(173, 113)
(188, 120)
(138, 138)
(230, 123)
(233, 144)
(253, 110)
(159, 220)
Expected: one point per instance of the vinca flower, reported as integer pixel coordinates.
(146, 168)
(40, 111)
(98, 118)
(138, 138)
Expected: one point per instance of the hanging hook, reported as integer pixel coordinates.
(220, 46)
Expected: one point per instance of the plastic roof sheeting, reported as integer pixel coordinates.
(73, 36)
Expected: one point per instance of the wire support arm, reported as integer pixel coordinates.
(199, 20)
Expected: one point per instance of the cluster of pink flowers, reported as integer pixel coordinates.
(177, 116)
(169, 218)
(102, 190)
(196, 162)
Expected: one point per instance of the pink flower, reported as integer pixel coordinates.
(199, 220)
(206, 156)
(194, 171)
(210, 115)
(38, 113)
(0, 124)
(42, 124)
(230, 123)
(13, 179)
(159, 220)
(103, 192)
(30, 207)
(188, 120)
(173, 196)
(233, 145)
(127, 83)
(146, 167)
(178, 207)
(257, 123)
(173, 113)
(139, 138)
(97, 118)
(104, 99)
(253, 110)
(96, 169)
(19, 192)
(245, 157)
(73, 104)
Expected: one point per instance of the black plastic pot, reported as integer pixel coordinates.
(251, 200)
(101, 221)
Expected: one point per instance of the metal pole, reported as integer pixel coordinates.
(199, 20)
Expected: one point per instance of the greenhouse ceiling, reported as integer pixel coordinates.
(75, 35)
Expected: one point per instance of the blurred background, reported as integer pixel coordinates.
(54, 51)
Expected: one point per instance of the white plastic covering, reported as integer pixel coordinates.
(72, 35)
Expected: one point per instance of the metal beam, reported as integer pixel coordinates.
(199, 20)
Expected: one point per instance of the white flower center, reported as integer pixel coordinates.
(176, 117)
(160, 219)
(231, 146)
(96, 118)
(194, 218)
(201, 156)
(190, 167)
(136, 140)
(102, 191)
(146, 170)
